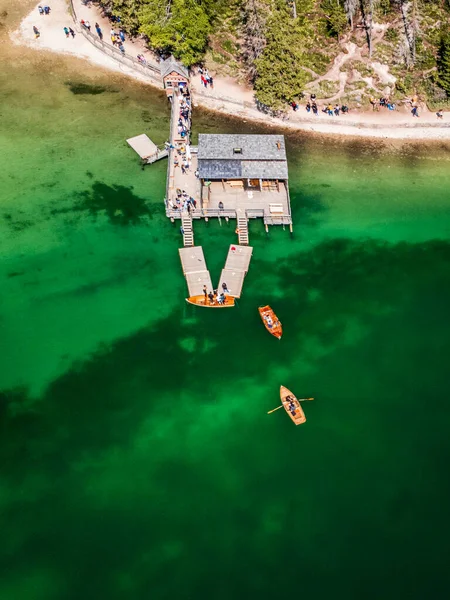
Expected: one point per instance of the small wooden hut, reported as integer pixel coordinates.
(174, 75)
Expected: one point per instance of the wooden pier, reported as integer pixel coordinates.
(240, 177)
(197, 278)
(235, 270)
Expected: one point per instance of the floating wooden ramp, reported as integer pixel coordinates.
(147, 150)
(197, 276)
(235, 270)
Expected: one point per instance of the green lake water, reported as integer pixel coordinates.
(137, 456)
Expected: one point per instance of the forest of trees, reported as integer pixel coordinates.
(281, 44)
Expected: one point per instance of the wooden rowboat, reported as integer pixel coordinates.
(271, 322)
(292, 405)
(202, 301)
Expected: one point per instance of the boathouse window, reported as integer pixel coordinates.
(237, 150)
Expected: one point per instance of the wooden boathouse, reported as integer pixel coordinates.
(244, 174)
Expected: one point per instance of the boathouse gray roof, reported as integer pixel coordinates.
(169, 65)
(241, 156)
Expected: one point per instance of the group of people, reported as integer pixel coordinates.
(43, 10)
(291, 406)
(183, 202)
(383, 102)
(117, 39)
(336, 110)
(69, 32)
(215, 296)
(329, 109)
(205, 77)
(183, 125)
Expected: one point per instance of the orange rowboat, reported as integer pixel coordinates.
(202, 301)
(271, 322)
(292, 405)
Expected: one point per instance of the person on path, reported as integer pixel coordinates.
(211, 83)
(122, 35)
(99, 31)
(36, 32)
(47, 9)
(314, 109)
(72, 32)
(308, 106)
(122, 48)
(66, 31)
(440, 114)
(336, 110)
(41, 10)
(87, 25)
(415, 111)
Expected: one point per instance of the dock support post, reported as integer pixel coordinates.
(267, 228)
(291, 229)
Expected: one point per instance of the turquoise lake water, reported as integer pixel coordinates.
(138, 459)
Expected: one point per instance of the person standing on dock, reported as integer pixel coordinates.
(205, 291)
(225, 288)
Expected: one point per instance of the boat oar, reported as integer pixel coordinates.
(281, 405)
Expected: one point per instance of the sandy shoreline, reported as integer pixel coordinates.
(228, 97)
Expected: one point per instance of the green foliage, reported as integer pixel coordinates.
(335, 16)
(181, 29)
(405, 85)
(391, 35)
(279, 74)
(444, 61)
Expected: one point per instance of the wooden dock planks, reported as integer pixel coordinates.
(194, 269)
(235, 270)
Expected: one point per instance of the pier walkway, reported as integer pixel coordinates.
(235, 270)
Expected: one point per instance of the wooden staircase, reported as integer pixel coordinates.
(186, 224)
(242, 226)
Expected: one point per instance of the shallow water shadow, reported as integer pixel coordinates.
(118, 202)
(79, 88)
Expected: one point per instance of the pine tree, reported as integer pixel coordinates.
(444, 61)
(254, 14)
(280, 76)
